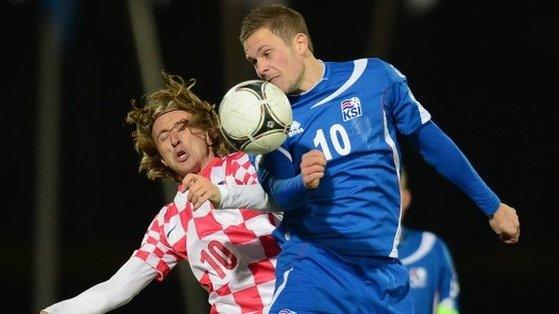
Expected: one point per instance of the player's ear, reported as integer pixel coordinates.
(208, 139)
(301, 42)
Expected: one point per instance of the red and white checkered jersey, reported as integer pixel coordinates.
(230, 251)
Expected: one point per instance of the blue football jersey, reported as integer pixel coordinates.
(433, 280)
(352, 115)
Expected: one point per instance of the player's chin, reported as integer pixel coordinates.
(188, 168)
(280, 84)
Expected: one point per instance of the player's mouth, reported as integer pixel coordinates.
(181, 155)
(272, 79)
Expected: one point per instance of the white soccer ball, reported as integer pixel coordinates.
(255, 117)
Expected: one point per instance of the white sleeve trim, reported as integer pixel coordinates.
(427, 242)
(245, 196)
(128, 281)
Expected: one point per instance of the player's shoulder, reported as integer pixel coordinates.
(359, 64)
(237, 166)
(376, 67)
(366, 68)
(164, 215)
(239, 157)
(437, 242)
(424, 238)
(230, 163)
(429, 235)
(386, 69)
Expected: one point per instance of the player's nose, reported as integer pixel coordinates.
(262, 68)
(174, 137)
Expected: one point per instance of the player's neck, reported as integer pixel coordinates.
(314, 70)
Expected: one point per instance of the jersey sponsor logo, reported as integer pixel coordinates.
(351, 108)
(418, 277)
(296, 128)
(286, 311)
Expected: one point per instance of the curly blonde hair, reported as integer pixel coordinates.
(176, 95)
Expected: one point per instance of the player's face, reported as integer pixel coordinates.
(183, 149)
(275, 60)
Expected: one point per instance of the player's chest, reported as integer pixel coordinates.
(219, 242)
(226, 229)
(347, 123)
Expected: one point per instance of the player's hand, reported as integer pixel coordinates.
(505, 223)
(313, 165)
(200, 189)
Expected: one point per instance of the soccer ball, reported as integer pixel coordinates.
(255, 117)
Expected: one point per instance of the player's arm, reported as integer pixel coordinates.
(226, 196)
(447, 159)
(244, 192)
(201, 189)
(280, 179)
(448, 288)
(246, 196)
(439, 151)
(276, 175)
(128, 281)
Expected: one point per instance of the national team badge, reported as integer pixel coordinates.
(351, 108)
(418, 277)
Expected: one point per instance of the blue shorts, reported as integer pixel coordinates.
(313, 279)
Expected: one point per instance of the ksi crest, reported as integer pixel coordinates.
(351, 108)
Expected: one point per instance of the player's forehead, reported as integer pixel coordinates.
(260, 39)
(169, 119)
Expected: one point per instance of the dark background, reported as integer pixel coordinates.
(486, 71)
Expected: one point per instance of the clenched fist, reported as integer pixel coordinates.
(505, 223)
(313, 165)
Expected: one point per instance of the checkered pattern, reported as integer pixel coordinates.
(231, 252)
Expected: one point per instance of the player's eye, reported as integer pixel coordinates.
(182, 125)
(163, 136)
(267, 53)
(252, 61)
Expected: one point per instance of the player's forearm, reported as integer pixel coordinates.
(128, 281)
(88, 302)
(288, 193)
(279, 180)
(246, 196)
(441, 152)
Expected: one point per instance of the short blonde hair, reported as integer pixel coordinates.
(282, 21)
(176, 95)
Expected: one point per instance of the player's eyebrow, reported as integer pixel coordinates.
(175, 125)
(251, 59)
(262, 48)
